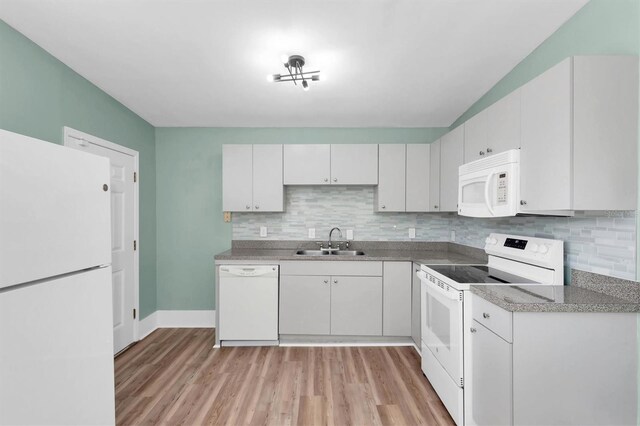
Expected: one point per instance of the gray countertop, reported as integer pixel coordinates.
(547, 298)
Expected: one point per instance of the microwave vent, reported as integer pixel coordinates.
(506, 157)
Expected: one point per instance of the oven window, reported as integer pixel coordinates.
(473, 192)
(438, 319)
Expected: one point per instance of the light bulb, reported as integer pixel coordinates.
(273, 77)
(305, 86)
(315, 77)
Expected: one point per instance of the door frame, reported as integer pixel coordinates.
(71, 135)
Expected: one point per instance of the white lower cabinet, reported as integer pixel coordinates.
(397, 299)
(305, 303)
(416, 330)
(569, 368)
(356, 306)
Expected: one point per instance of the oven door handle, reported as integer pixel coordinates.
(486, 192)
(452, 295)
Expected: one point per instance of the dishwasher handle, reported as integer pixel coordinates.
(249, 270)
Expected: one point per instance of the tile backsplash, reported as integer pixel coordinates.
(601, 242)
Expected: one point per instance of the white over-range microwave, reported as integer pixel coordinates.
(489, 187)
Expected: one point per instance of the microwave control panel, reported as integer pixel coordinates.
(502, 184)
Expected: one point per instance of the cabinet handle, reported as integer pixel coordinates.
(481, 152)
(489, 150)
(335, 179)
(248, 207)
(383, 206)
(485, 315)
(523, 203)
(335, 281)
(326, 281)
(326, 179)
(473, 330)
(257, 207)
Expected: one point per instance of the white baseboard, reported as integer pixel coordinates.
(176, 319)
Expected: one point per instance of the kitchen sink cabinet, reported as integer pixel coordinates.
(397, 290)
(579, 133)
(305, 305)
(252, 178)
(324, 164)
(389, 195)
(356, 306)
(451, 158)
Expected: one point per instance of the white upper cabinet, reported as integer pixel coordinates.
(546, 140)
(354, 164)
(339, 164)
(417, 177)
(307, 164)
(451, 158)
(503, 124)
(434, 176)
(475, 137)
(237, 178)
(389, 195)
(252, 178)
(268, 190)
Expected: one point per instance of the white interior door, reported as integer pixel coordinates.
(122, 240)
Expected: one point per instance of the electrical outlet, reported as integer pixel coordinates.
(453, 236)
(349, 234)
(263, 231)
(412, 232)
(227, 217)
(312, 232)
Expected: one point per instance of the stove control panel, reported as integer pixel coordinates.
(537, 251)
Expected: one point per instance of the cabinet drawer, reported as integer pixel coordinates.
(314, 267)
(493, 317)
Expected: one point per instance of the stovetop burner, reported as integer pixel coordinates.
(465, 274)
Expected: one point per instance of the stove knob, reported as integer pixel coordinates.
(534, 248)
(544, 249)
(494, 241)
(487, 240)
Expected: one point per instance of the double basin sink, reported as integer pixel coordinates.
(330, 253)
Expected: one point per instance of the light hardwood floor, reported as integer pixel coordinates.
(174, 376)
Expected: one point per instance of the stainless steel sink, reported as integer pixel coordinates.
(327, 253)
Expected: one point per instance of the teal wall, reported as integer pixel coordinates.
(39, 95)
(608, 27)
(189, 198)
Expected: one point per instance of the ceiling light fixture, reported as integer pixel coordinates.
(294, 65)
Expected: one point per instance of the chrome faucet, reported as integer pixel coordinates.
(331, 233)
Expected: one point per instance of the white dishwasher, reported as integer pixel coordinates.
(248, 305)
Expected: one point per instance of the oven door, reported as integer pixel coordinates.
(442, 324)
(490, 192)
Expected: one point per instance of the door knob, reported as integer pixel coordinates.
(335, 281)
(248, 207)
(435, 207)
(489, 150)
(473, 330)
(485, 315)
(257, 207)
(326, 281)
(383, 206)
(326, 179)
(481, 152)
(523, 203)
(335, 179)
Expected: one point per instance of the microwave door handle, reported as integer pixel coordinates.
(453, 295)
(486, 193)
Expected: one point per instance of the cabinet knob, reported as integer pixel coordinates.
(435, 207)
(489, 150)
(326, 281)
(523, 203)
(383, 206)
(105, 187)
(473, 330)
(485, 315)
(248, 207)
(257, 207)
(335, 179)
(326, 179)
(481, 152)
(335, 281)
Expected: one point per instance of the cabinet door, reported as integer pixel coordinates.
(417, 177)
(396, 298)
(451, 153)
(268, 190)
(356, 306)
(416, 332)
(354, 164)
(305, 304)
(475, 137)
(307, 164)
(237, 178)
(503, 124)
(390, 193)
(434, 176)
(491, 378)
(545, 165)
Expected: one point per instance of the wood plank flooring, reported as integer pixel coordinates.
(175, 377)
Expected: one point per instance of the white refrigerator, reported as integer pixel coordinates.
(56, 327)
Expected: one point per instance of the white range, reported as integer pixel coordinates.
(512, 260)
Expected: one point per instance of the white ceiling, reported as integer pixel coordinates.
(387, 63)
